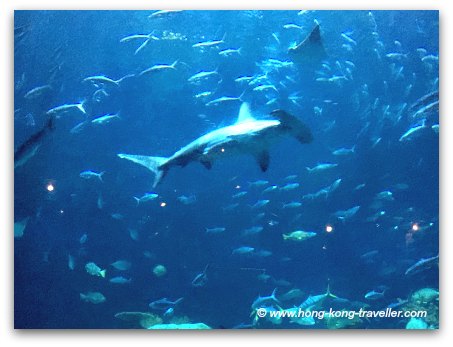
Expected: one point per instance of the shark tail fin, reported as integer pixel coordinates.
(154, 164)
(295, 127)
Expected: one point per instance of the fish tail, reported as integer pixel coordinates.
(100, 176)
(241, 96)
(155, 164)
(81, 107)
(179, 300)
(102, 273)
(329, 294)
(138, 200)
(274, 292)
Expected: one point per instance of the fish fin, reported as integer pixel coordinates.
(295, 127)
(51, 123)
(154, 164)
(311, 48)
(244, 113)
(263, 159)
(81, 107)
(206, 163)
(241, 96)
(143, 45)
(329, 294)
(102, 273)
(273, 295)
(315, 35)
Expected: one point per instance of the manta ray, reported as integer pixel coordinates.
(310, 50)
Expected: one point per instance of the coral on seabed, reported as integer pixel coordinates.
(143, 319)
(425, 299)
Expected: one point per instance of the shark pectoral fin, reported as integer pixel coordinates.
(263, 160)
(206, 163)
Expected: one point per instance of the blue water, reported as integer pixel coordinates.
(159, 114)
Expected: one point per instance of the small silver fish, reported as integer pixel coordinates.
(91, 174)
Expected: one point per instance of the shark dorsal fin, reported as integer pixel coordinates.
(244, 114)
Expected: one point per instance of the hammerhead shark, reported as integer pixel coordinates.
(246, 135)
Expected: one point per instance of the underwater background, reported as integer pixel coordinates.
(361, 101)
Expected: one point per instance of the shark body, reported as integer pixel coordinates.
(247, 135)
(30, 147)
